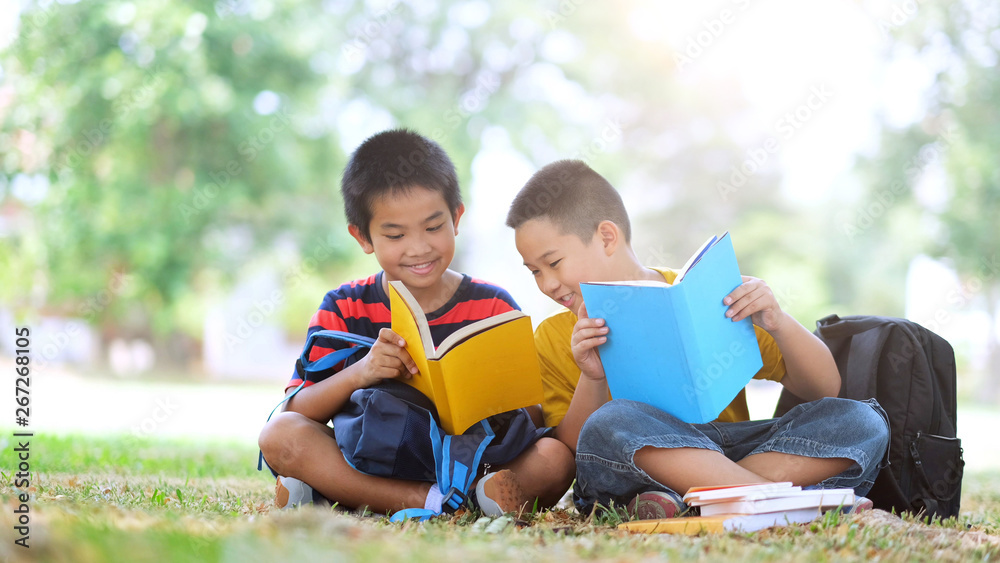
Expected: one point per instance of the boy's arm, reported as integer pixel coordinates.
(811, 372)
(386, 359)
(592, 389)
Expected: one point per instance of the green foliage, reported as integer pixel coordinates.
(160, 169)
(167, 186)
(162, 173)
(936, 182)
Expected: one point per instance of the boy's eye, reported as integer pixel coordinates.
(433, 229)
(534, 272)
(556, 263)
(393, 237)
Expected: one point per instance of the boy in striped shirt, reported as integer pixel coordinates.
(403, 205)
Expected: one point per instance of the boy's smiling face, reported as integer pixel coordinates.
(412, 237)
(560, 261)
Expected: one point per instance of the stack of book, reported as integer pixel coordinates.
(748, 508)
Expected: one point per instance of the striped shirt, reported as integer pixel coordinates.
(362, 307)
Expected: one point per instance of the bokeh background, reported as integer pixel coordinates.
(169, 171)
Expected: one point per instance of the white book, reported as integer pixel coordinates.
(815, 499)
(754, 522)
(697, 496)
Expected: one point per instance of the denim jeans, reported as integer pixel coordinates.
(827, 428)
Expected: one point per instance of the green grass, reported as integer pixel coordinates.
(128, 499)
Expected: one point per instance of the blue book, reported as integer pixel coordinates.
(672, 346)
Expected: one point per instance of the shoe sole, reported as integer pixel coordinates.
(280, 494)
(505, 491)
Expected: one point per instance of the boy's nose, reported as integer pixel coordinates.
(551, 284)
(419, 247)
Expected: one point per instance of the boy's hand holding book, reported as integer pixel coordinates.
(588, 334)
(387, 359)
(754, 298)
(484, 368)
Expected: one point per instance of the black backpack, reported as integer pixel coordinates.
(911, 372)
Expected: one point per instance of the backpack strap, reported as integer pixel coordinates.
(337, 356)
(862, 363)
(450, 459)
(863, 345)
(454, 477)
(305, 367)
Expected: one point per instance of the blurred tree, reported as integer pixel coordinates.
(163, 132)
(177, 146)
(939, 176)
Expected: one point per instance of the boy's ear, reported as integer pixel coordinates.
(610, 236)
(458, 215)
(366, 244)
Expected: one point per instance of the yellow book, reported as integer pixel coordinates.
(694, 525)
(482, 369)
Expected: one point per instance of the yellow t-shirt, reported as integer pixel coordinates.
(560, 373)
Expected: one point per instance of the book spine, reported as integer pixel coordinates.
(684, 325)
(440, 399)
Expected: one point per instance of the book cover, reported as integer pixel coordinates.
(482, 369)
(693, 525)
(672, 346)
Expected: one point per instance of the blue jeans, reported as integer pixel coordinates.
(827, 428)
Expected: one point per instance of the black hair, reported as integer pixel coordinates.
(393, 162)
(573, 196)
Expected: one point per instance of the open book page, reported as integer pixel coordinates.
(482, 325)
(424, 330)
(634, 283)
(696, 257)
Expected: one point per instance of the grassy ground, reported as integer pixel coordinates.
(127, 499)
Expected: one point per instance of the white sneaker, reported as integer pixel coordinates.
(290, 492)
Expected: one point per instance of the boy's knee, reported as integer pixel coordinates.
(863, 422)
(278, 442)
(876, 421)
(561, 459)
(866, 416)
(621, 420)
(612, 415)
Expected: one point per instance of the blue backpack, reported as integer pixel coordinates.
(392, 430)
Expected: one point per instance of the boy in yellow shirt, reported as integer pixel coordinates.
(571, 227)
